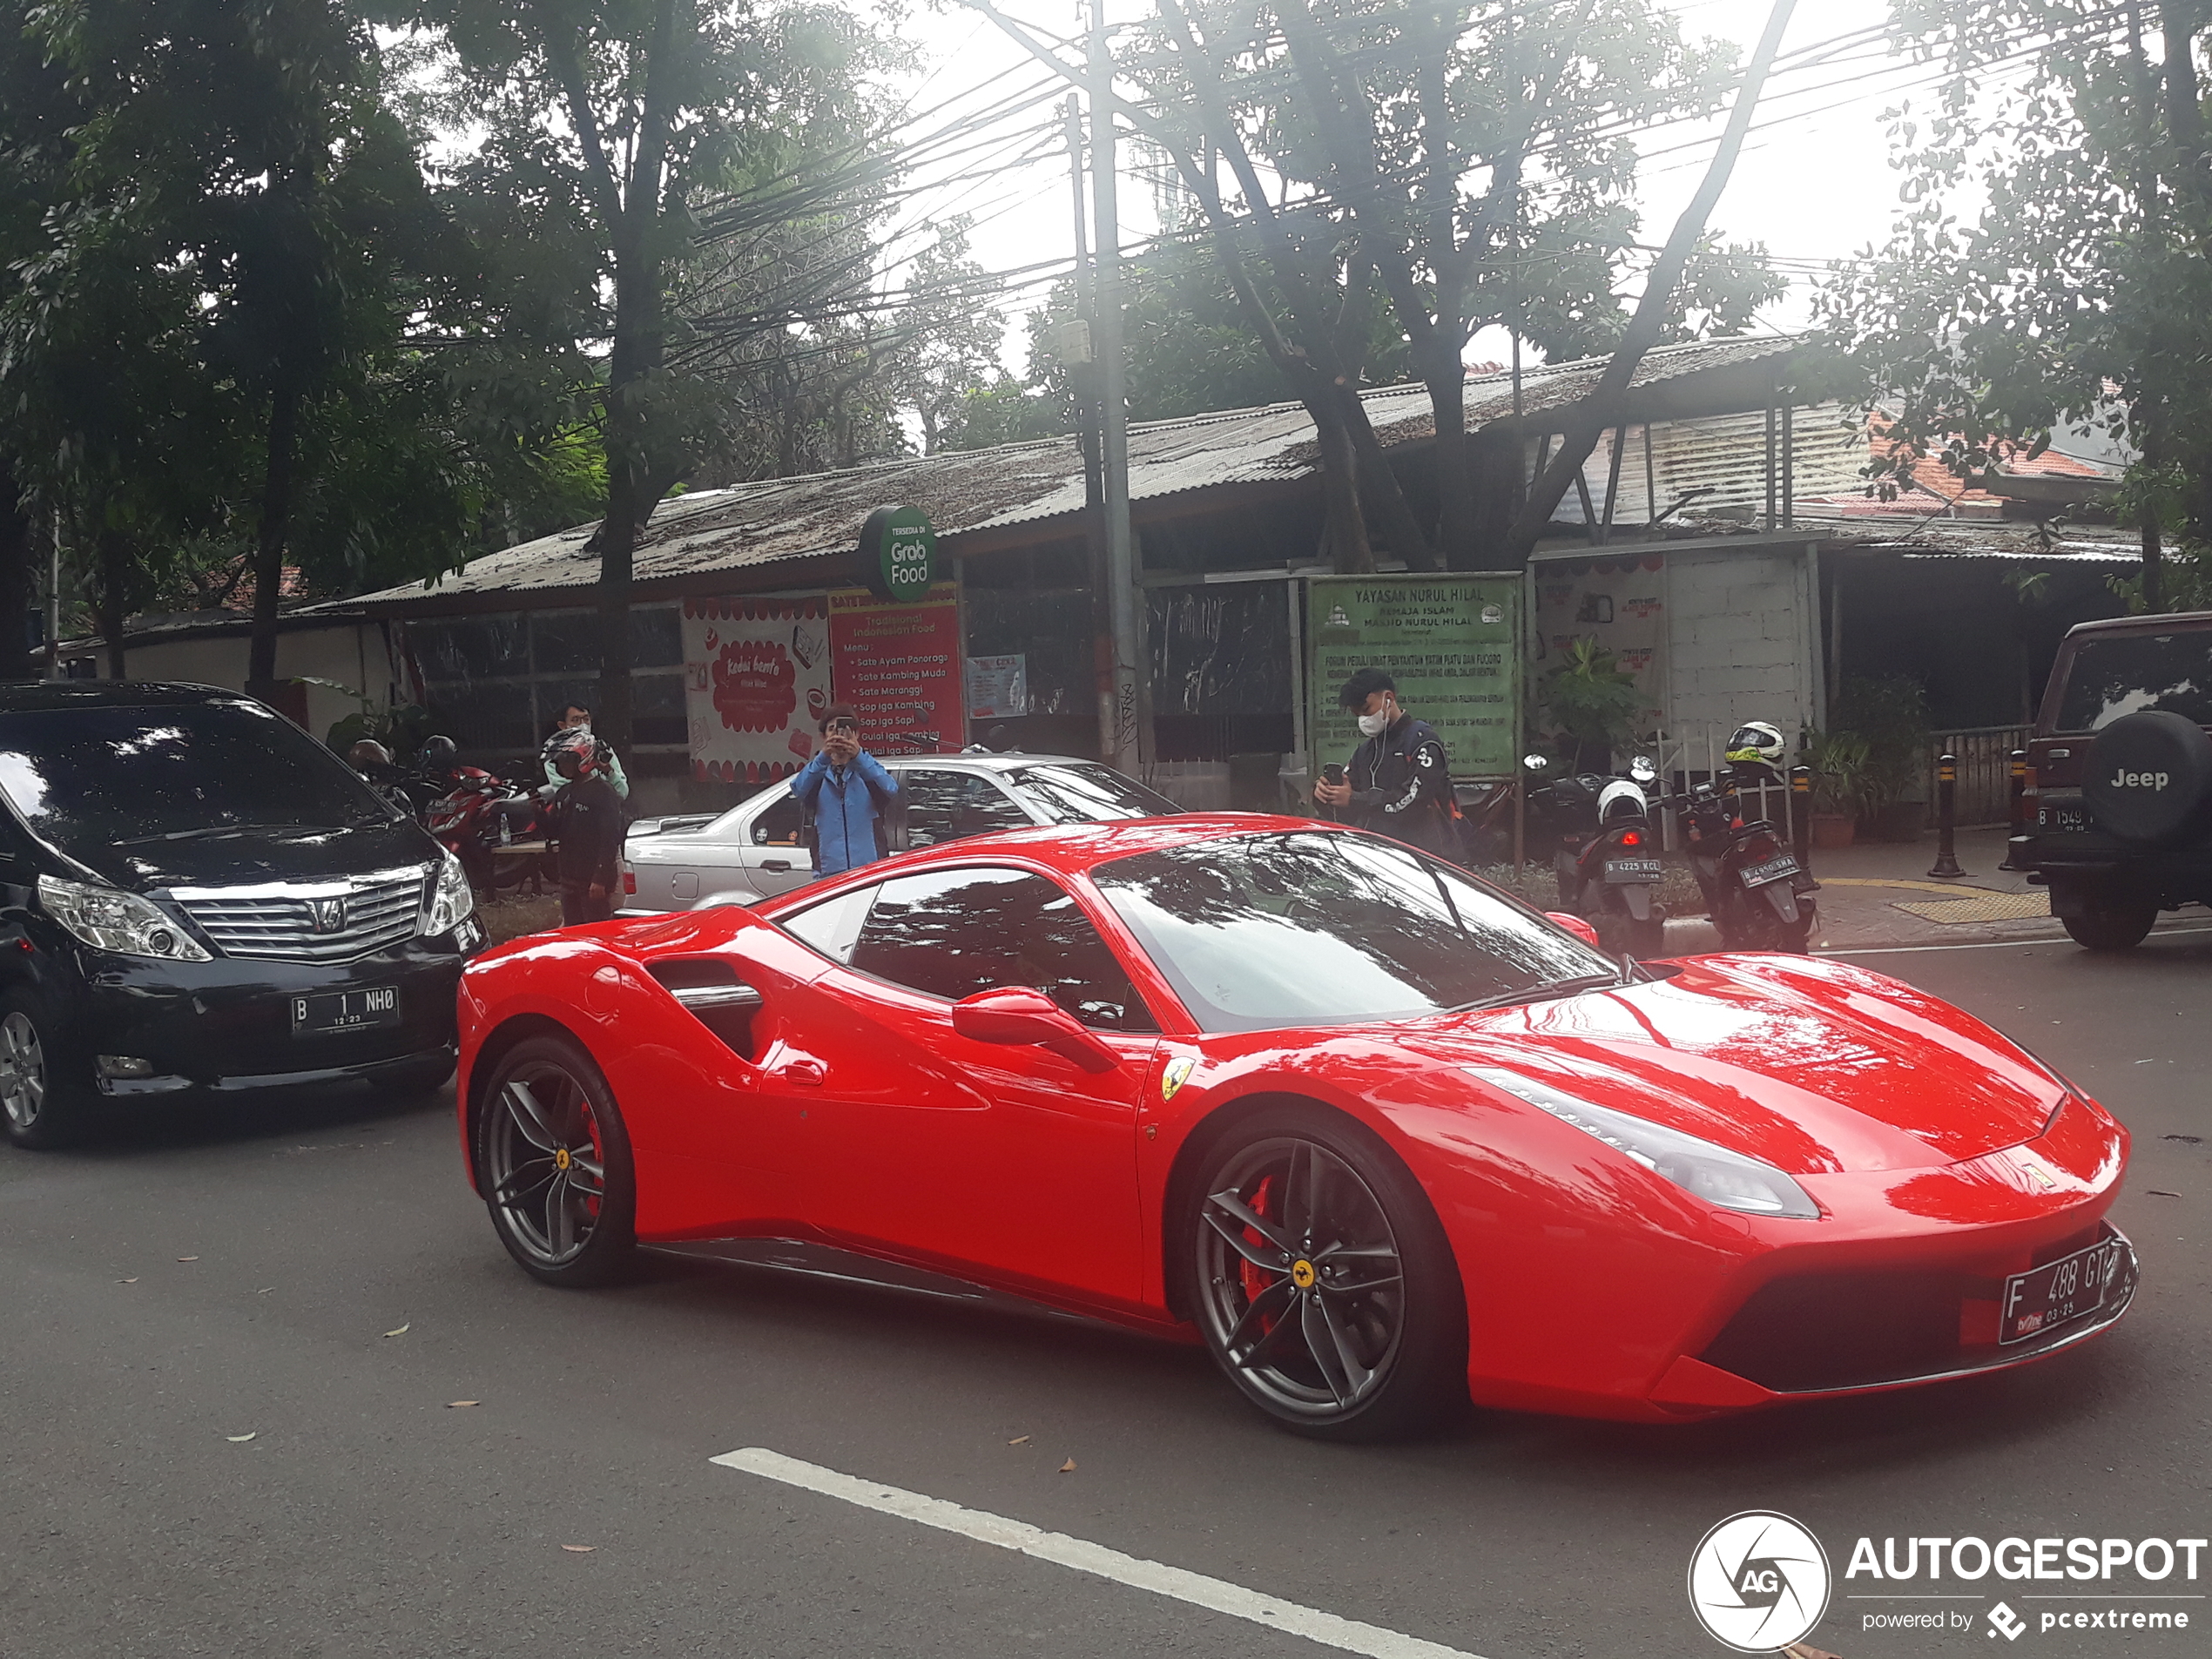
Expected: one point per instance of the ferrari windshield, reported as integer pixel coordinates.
(1322, 927)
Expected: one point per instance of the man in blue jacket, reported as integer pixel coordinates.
(848, 797)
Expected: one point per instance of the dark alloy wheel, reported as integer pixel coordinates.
(39, 1099)
(1323, 1283)
(556, 1166)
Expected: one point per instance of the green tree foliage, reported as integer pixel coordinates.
(2079, 294)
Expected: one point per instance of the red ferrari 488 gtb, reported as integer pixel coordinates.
(1381, 1137)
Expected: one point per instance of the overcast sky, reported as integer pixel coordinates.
(1814, 182)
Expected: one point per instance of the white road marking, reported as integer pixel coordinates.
(1348, 1634)
(1996, 944)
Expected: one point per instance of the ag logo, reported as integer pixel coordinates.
(1759, 1582)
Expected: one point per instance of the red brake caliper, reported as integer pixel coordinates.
(1251, 1277)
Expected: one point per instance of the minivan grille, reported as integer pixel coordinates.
(319, 922)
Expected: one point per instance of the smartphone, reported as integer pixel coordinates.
(1333, 774)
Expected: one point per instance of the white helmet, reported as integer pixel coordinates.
(1756, 743)
(1620, 799)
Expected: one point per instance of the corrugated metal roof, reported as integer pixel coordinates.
(969, 491)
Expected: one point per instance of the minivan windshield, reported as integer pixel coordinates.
(2126, 673)
(102, 776)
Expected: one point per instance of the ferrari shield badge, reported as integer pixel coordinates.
(1178, 1071)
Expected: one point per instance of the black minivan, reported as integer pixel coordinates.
(195, 895)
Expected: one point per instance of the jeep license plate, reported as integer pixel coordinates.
(1759, 875)
(1634, 869)
(2072, 821)
(2071, 1288)
(364, 1009)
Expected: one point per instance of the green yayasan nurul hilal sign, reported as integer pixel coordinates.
(1453, 644)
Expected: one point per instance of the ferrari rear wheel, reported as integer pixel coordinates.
(1323, 1283)
(558, 1177)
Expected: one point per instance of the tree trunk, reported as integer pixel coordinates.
(114, 599)
(19, 551)
(1348, 544)
(268, 549)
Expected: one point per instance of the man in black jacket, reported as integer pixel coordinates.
(1400, 782)
(587, 818)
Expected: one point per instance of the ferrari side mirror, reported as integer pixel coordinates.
(1016, 1014)
(1574, 925)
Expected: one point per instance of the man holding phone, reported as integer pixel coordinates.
(1400, 782)
(850, 800)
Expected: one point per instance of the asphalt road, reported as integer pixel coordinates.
(367, 1515)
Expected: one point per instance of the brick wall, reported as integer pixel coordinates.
(1743, 642)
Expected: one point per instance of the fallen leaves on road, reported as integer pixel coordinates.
(2186, 1140)
(579, 1550)
(2160, 1192)
(265, 1290)
(457, 1405)
(401, 1332)
(187, 1258)
(1068, 1467)
(1019, 1439)
(126, 1281)
(241, 1439)
(1805, 1650)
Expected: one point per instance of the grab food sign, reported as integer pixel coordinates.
(898, 554)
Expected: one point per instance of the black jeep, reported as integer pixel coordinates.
(2117, 817)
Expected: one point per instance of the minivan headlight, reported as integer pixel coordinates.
(1710, 1172)
(451, 898)
(109, 919)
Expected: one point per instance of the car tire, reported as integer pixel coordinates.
(555, 1161)
(2104, 927)
(412, 1082)
(44, 1092)
(1621, 934)
(1288, 1243)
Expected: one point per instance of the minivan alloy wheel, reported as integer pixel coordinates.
(22, 1072)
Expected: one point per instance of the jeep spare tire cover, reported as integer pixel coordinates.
(2149, 775)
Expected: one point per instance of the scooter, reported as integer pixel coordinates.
(1759, 896)
(479, 812)
(1607, 860)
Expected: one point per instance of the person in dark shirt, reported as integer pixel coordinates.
(587, 819)
(1400, 782)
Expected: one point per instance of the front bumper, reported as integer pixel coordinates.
(225, 1025)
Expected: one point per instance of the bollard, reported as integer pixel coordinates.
(1947, 864)
(1801, 815)
(2019, 791)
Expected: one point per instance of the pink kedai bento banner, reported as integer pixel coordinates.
(757, 679)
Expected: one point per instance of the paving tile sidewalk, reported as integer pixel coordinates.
(1881, 893)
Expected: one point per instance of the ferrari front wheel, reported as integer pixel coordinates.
(557, 1173)
(1323, 1283)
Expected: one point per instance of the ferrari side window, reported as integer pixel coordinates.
(953, 933)
(833, 925)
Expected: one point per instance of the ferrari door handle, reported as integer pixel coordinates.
(809, 1072)
(777, 865)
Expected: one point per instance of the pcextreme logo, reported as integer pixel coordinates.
(1759, 1582)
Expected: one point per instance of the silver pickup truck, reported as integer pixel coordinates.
(754, 850)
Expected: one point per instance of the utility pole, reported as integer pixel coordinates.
(1082, 382)
(1131, 746)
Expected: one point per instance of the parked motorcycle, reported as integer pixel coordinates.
(1608, 859)
(480, 812)
(1757, 894)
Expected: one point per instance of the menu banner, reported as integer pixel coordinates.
(756, 678)
(899, 666)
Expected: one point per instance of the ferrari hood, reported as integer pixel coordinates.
(1812, 1066)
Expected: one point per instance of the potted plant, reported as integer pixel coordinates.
(1595, 701)
(1838, 762)
(1890, 714)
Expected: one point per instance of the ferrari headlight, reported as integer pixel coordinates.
(1713, 1173)
(109, 919)
(451, 898)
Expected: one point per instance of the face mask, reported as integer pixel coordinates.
(1373, 726)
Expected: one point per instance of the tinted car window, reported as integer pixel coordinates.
(1080, 792)
(833, 925)
(778, 826)
(86, 776)
(933, 800)
(953, 933)
(2125, 673)
(984, 807)
(1261, 932)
